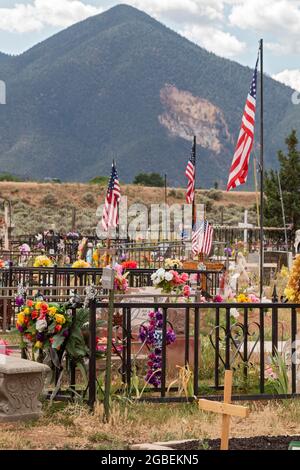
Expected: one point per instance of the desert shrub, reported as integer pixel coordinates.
(215, 195)
(88, 198)
(49, 200)
(209, 205)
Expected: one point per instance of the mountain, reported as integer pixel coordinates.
(122, 85)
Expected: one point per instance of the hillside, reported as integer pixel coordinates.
(121, 85)
(37, 206)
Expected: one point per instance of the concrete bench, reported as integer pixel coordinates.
(21, 383)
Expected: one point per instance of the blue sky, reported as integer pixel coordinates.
(230, 28)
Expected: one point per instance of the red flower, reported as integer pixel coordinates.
(44, 308)
(34, 314)
(29, 303)
(58, 328)
(129, 264)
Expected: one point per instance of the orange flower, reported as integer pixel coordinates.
(29, 303)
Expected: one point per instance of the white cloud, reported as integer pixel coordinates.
(214, 40)
(35, 16)
(267, 15)
(181, 9)
(289, 77)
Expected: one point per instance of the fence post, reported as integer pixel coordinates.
(92, 358)
(108, 356)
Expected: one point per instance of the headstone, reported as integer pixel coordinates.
(140, 315)
(21, 383)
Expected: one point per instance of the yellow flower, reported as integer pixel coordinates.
(60, 319)
(38, 305)
(38, 345)
(242, 298)
(26, 311)
(52, 311)
(80, 263)
(42, 261)
(289, 293)
(20, 318)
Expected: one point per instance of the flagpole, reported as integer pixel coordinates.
(194, 215)
(261, 266)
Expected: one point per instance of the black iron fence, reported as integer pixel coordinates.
(61, 276)
(260, 346)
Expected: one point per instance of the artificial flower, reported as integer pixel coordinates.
(42, 261)
(41, 325)
(20, 318)
(59, 319)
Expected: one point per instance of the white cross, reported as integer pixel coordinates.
(245, 226)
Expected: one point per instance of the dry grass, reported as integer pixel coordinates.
(73, 427)
(36, 206)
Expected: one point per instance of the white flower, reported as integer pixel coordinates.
(234, 313)
(168, 276)
(41, 325)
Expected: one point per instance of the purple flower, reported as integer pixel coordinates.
(19, 301)
(151, 335)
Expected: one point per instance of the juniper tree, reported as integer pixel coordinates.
(289, 172)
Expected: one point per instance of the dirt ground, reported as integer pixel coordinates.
(73, 427)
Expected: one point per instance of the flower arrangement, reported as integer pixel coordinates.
(292, 290)
(72, 235)
(120, 282)
(80, 263)
(43, 325)
(24, 249)
(42, 261)
(169, 281)
(174, 263)
(81, 248)
(151, 335)
(247, 299)
(129, 265)
(4, 349)
(228, 251)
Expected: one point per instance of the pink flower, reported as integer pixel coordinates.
(177, 280)
(186, 291)
(253, 298)
(269, 373)
(4, 348)
(218, 299)
(119, 269)
(184, 277)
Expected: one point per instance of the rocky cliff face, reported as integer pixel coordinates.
(186, 115)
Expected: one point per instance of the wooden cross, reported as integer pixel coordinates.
(226, 409)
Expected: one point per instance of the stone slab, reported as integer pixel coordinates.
(21, 384)
(149, 447)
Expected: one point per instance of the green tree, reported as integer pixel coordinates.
(290, 183)
(149, 179)
(101, 180)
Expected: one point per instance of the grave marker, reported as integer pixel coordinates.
(226, 409)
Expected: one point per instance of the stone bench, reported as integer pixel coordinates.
(21, 383)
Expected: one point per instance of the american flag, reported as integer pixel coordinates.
(190, 173)
(110, 216)
(240, 163)
(202, 239)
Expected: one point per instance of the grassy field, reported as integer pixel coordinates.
(37, 206)
(73, 427)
